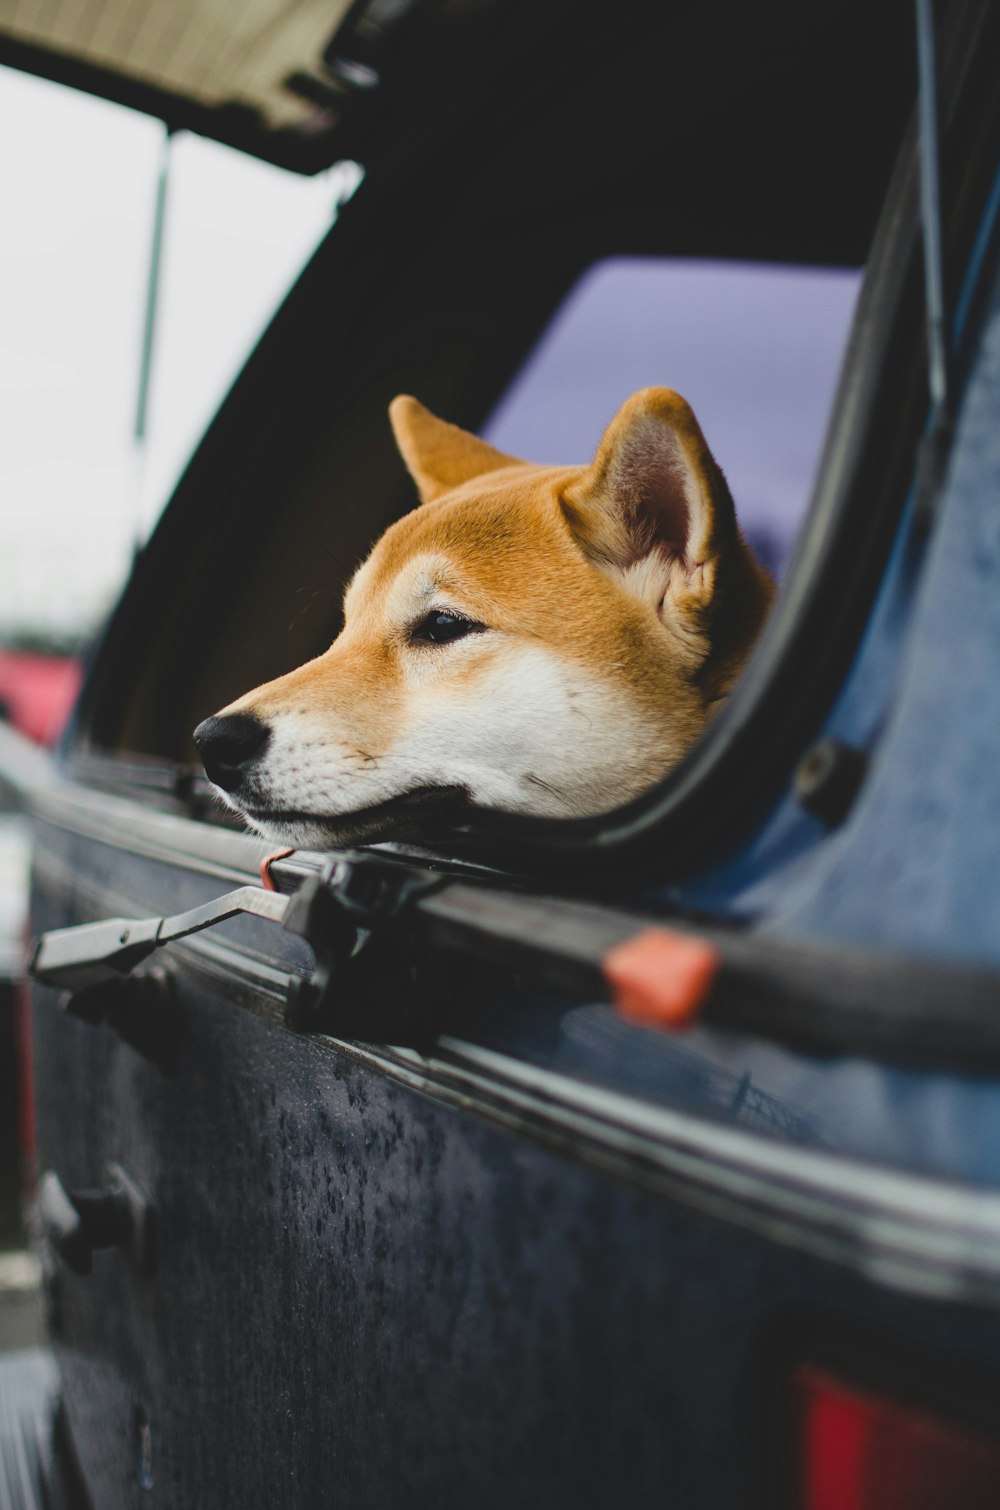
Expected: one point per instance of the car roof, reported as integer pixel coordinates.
(778, 90)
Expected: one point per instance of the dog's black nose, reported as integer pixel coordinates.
(227, 745)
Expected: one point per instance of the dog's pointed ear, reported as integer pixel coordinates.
(439, 456)
(655, 493)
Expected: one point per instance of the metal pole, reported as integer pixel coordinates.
(152, 291)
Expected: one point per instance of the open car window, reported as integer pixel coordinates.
(299, 475)
(755, 349)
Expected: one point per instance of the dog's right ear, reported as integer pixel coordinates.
(440, 456)
(655, 511)
(653, 486)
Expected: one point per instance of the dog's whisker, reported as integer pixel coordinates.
(545, 785)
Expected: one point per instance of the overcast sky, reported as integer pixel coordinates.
(77, 185)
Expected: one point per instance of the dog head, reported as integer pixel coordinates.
(539, 639)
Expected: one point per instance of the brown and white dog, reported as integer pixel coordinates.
(544, 640)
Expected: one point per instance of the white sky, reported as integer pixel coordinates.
(77, 186)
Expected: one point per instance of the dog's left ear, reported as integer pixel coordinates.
(655, 495)
(440, 456)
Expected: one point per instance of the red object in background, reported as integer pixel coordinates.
(38, 691)
(861, 1451)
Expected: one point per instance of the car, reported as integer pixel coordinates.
(364, 1177)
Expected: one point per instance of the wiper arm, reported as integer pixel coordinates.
(92, 954)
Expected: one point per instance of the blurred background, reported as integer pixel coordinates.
(79, 194)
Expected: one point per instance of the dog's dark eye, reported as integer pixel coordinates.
(441, 628)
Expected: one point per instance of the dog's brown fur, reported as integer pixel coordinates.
(615, 605)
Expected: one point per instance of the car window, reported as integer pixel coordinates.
(516, 313)
(754, 348)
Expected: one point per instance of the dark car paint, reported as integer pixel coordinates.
(410, 1287)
